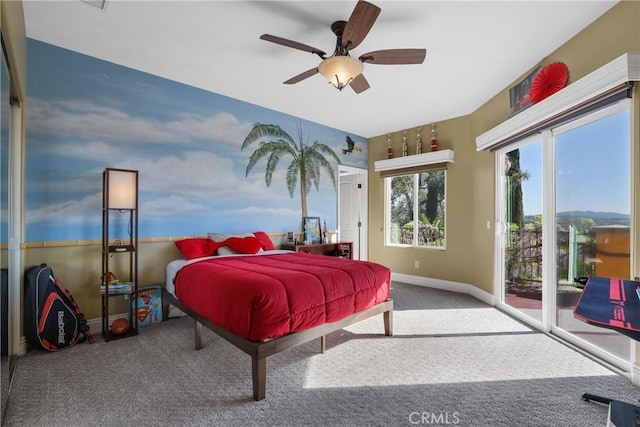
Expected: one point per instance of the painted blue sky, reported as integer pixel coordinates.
(86, 114)
(583, 184)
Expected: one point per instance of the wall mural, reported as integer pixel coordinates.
(207, 162)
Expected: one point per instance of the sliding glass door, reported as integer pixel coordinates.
(592, 215)
(522, 226)
(564, 212)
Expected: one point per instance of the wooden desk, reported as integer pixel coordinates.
(342, 249)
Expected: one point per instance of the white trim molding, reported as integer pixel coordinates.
(445, 285)
(623, 69)
(431, 158)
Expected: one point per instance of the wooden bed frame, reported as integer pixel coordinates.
(259, 351)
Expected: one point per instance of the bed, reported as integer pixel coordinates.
(273, 300)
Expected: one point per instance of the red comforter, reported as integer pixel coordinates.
(268, 296)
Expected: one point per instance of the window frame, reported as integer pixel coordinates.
(416, 213)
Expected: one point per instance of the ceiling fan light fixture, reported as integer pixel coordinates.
(340, 70)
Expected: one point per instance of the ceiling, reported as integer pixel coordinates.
(475, 49)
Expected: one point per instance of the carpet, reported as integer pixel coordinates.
(453, 360)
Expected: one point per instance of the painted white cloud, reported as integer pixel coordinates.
(91, 150)
(191, 183)
(84, 120)
(223, 128)
(87, 208)
(264, 211)
(174, 204)
(198, 174)
(195, 181)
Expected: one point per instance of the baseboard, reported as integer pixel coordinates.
(446, 285)
(95, 324)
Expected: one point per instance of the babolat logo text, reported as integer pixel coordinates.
(434, 418)
(61, 327)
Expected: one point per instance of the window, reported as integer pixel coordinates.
(415, 214)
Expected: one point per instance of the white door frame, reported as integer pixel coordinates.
(363, 220)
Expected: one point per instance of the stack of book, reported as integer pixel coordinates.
(118, 288)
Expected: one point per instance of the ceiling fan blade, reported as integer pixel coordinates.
(359, 84)
(394, 56)
(291, 43)
(359, 24)
(302, 76)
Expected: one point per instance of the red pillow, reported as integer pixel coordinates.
(242, 245)
(197, 247)
(265, 241)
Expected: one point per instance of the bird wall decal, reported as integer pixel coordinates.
(351, 146)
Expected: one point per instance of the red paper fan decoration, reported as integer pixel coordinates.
(548, 81)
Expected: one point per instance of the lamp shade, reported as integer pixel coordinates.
(340, 70)
(121, 188)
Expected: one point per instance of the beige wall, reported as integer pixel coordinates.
(441, 264)
(469, 257)
(79, 268)
(78, 265)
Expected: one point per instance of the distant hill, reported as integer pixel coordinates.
(600, 218)
(593, 215)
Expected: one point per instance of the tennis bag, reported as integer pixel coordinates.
(52, 319)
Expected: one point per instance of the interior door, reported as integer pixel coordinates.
(352, 207)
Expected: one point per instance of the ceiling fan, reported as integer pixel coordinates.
(341, 69)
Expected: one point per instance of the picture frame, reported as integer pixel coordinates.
(312, 230)
(519, 94)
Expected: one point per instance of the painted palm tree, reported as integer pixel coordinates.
(308, 160)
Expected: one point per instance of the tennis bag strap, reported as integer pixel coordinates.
(84, 326)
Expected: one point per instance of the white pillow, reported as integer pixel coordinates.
(220, 237)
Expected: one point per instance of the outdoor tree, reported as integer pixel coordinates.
(402, 200)
(515, 177)
(434, 184)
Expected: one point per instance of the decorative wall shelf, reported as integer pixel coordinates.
(416, 160)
